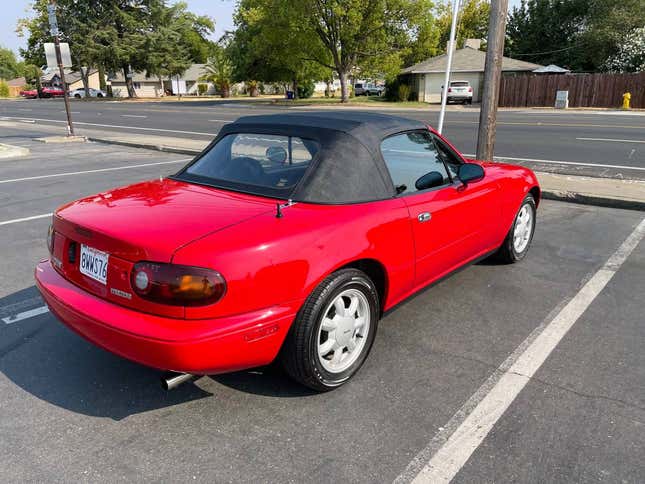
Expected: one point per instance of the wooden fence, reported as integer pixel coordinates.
(585, 90)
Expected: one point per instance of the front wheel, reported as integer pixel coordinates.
(333, 332)
(519, 237)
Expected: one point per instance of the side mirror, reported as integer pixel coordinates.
(429, 180)
(470, 172)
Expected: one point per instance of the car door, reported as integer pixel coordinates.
(441, 223)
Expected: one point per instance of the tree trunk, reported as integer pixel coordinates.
(102, 83)
(86, 81)
(295, 88)
(128, 83)
(344, 93)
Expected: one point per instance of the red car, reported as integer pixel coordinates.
(45, 92)
(288, 237)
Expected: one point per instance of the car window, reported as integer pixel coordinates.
(409, 157)
(257, 163)
(459, 84)
(449, 157)
(358, 86)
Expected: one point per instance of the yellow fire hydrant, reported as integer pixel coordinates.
(626, 98)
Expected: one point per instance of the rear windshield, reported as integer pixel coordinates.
(262, 164)
(459, 83)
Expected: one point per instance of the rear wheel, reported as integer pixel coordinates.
(519, 237)
(333, 332)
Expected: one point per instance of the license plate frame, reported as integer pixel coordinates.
(93, 263)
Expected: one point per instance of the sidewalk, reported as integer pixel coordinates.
(608, 192)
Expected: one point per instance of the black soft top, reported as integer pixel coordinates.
(349, 167)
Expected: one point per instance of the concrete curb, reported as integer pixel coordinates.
(147, 146)
(574, 197)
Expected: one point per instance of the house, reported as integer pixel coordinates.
(16, 85)
(551, 69)
(426, 78)
(153, 86)
(73, 79)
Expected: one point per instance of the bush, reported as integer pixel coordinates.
(202, 89)
(4, 88)
(306, 89)
(403, 93)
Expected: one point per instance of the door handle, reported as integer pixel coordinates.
(424, 216)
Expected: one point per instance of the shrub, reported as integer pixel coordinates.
(4, 88)
(403, 93)
(306, 89)
(202, 89)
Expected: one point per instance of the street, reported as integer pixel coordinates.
(72, 412)
(594, 143)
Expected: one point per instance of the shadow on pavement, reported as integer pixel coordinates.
(47, 360)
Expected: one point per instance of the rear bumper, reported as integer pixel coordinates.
(205, 346)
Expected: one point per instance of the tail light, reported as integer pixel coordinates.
(177, 285)
(450, 89)
(470, 89)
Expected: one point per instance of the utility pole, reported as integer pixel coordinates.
(53, 23)
(451, 50)
(492, 75)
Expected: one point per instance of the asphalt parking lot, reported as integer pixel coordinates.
(72, 412)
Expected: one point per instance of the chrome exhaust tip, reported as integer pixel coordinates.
(172, 379)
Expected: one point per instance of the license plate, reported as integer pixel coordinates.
(94, 263)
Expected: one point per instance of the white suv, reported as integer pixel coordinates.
(460, 91)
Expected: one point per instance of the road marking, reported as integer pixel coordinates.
(25, 219)
(535, 160)
(71, 112)
(114, 168)
(33, 120)
(613, 140)
(133, 116)
(477, 417)
(14, 318)
(221, 120)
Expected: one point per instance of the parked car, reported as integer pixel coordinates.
(45, 92)
(29, 93)
(368, 89)
(460, 91)
(287, 238)
(79, 93)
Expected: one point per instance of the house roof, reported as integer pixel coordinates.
(70, 76)
(551, 69)
(466, 60)
(17, 82)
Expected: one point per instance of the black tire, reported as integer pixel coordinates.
(77, 96)
(507, 252)
(299, 353)
(99, 95)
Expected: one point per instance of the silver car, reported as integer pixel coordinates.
(79, 93)
(460, 91)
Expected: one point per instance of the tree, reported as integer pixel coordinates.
(579, 34)
(219, 71)
(119, 35)
(631, 53)
(472, 22)
(9, 68)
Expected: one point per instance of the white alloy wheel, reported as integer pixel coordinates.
(523, 228)
(343, 331)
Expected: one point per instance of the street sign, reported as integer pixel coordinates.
(50, 54)
(53, 23)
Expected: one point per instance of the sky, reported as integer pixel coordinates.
(220, 10)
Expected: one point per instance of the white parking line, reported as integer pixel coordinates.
(221, 120)
(476, 418)
(556, 162)
(133, 116)
(14, 318)
(25, 219)
(613, 140)
(114, 168)
(82, 123)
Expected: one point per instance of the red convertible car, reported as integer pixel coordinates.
(287, 237)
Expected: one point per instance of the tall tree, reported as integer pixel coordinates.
(9, 67)
(472, 22)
